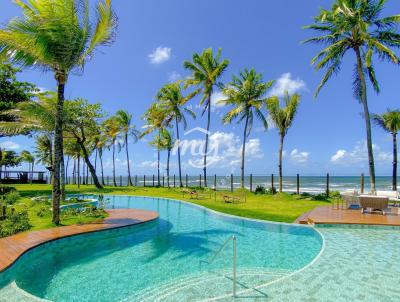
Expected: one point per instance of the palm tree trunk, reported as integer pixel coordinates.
(33, 164)
(158, 157)
(89, 166)
(168, 157)
(79, 172)
(58, 148)
(179, 153)
(207, 135)
(113, 155)
(74, 173)
(101, 166)
(66, 168)
(363, 99)
(127, 160)
(95, 161)
(280, 163)
(244, 151)
(394, 180)
(62, 171)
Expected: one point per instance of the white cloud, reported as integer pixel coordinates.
(160, 55)
(299, 157)
(359, 154)
(286, 83)
(224, 150)
(10, 145)
(174, 76)
(217, 98)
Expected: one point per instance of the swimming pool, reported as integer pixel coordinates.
(162, 260)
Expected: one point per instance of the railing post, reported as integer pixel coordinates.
(186, 180)
(120, 180)
(251, 182)
(200, 180)
(108, 180)
(298, 183)
(144, 180)
(153, 180)
(135, 180)
(327, 185)
(174, 182)
(215, 182)
(272, 183)
(234, 265)
(163, 181)
(362, 183)
(231, 182)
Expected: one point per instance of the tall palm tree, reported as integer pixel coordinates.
(100, 143)
(127, 130)
(29, 158)
(156, 122)
(171, 95)
(57, 35)
(206, 70)
(356, 26)
(112, 130)
(167, 143)
(390, 122)
(282, 118)
(246, 93)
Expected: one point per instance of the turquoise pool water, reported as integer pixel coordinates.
(159, 260)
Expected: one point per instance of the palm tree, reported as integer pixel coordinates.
(167, 143)
(355, 25)
(100, 143)
(57, 35)
(390, 122)
(171, 95)
(112, 130)
(206, 71)
(28, 157)
(246, 94)
(155, 118)
(283, 119)
(44, 152)
(127, 130)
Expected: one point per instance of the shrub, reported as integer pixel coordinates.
(260, 190)
(14, 222)
(11, 197)
(43, 211)
(271, 191)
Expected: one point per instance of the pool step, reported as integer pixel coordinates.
(206, 285)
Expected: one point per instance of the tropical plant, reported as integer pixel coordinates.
(100, 143)
(155, 118)
(171, 95)
(167, 143)
(206, 71)
(282, 118)
(28, 158)
(355, 25)
(44, 150)
(57, 35)
(112, 130)
(8, 159)
(74, 151)
(390, 122)
(80, 121)
(127, 129)
(12, 91)
(247, 94)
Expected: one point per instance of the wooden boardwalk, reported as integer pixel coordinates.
(329, 215)
(13, 247)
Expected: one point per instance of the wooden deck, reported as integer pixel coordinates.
(329, 215)
(13, 247)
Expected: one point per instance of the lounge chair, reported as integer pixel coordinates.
(393, 196)
(375, 203)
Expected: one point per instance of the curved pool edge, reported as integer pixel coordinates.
(12, 248)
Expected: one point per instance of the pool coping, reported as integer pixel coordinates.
(14, 247)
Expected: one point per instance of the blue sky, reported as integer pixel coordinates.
(155, 37)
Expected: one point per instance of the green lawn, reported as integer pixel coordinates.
(279, 207)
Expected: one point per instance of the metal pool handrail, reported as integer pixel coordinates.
(213, 257)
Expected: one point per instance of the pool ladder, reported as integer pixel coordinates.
(214, 256)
